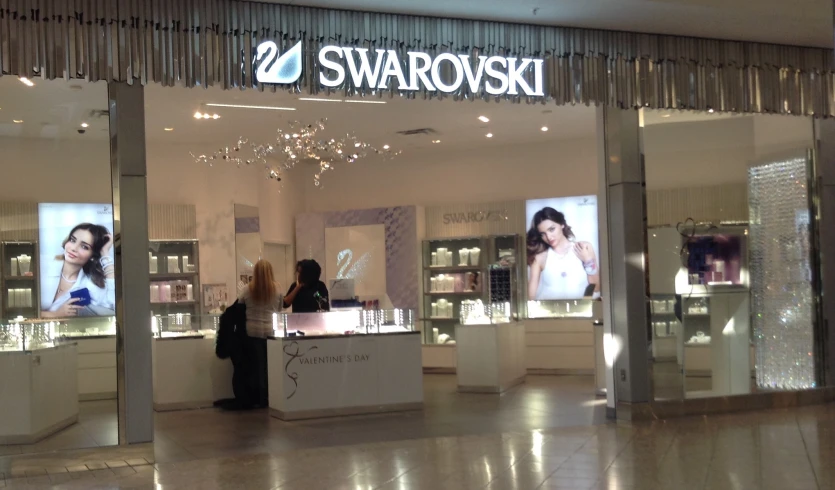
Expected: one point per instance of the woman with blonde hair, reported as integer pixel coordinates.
(263, 303)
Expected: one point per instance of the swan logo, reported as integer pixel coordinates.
(273, 68)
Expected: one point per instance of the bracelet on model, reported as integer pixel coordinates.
(106, 261)
(590, 268)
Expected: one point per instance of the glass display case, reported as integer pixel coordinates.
(184, 325)
(175, 277)
(19, 280)
(460, 273)
(78, 328)
(479, 313)
(27, 335)
(665, 326)
(569, 308)
(345, 322)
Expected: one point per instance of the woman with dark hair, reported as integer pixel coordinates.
(308, 294)
(81, 282)
(560, 266)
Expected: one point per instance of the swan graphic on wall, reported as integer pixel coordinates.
(273, 68)
(349, 269)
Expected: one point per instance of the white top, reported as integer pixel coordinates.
(563, 277)
(261, 320)
(103, 300)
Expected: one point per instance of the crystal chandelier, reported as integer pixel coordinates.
(302, 142)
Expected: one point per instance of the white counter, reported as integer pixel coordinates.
(96, 366)
(313, 377)
(38, 393)
(490, 358)
(187, 374)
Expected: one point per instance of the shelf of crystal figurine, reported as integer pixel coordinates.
(440, 319)
(455, 268)
(185, 303)
(173, 275)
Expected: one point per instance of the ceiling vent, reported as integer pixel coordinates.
(99, 114)
(413, 132)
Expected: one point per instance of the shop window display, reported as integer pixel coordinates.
(57, 265)
(729, 255)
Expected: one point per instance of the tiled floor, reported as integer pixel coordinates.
(543, 402)
(775, 450)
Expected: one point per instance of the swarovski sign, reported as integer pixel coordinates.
(446, 72)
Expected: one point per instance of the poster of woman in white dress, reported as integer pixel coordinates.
(562, 248)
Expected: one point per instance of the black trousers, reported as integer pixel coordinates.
(252, 378)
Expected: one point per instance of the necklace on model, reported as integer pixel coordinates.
(68, 280)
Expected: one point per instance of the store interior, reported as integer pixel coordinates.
(430, 177)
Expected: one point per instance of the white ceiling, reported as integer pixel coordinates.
(56, 109)
(794, 22)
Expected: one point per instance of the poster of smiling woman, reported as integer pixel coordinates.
(562, 248)
(77, 272)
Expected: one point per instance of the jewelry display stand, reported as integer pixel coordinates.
(19, 281)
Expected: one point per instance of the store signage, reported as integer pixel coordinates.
(474, 217)
(496, 75)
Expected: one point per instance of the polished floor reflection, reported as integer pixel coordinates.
(779, 450)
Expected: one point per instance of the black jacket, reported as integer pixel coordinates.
(231, 332)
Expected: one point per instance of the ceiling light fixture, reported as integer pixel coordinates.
(710, 111)
(312, 99)
(544, 128)
(27, 82)
(246, 106)
(665, 115)
(484, 119)
(169, 129)
(436, 141)
(489, 135)
(198, 115)
(300, 142)
(85, 125)
(17, 121)
(366, 101)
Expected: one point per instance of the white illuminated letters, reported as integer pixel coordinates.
(332, 66)
(446, 72)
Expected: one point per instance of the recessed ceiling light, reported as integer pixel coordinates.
(386, 147)
(665, 115)
(85, 125)
(169, 129)
(27, 82)
(544, 128)
(710, 111)
(17, 121)
(483, 118)
(436, 141)
(489, 135)
(245, 106)
(365, 101)
(198, 115)
(312, 99)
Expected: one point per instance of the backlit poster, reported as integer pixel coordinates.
(76, 252)
(562, 248)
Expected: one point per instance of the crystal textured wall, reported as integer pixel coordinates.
(780, 262)
(201, 43)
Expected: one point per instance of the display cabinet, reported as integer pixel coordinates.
(345, 322)
(20, 294)
(175, 277)
(27, 335)
(460, 273)
(665, 326)
(570, 308)
(184, 325)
